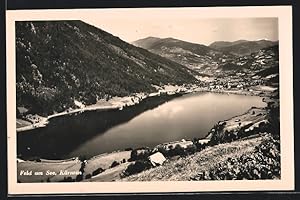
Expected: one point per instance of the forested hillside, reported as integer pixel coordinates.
(58, 62)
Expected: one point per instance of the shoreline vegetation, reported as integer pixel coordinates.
(135, 164)
(35, 121)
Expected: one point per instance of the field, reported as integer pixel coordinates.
(111, 174)
(253, 116)
(104, 161)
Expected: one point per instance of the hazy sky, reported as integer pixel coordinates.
(188, 26)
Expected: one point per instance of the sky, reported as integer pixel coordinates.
(191, 26)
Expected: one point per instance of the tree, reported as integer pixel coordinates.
(114, 164)
(137, 167)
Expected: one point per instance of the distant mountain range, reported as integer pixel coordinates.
(192, 55)
(242, 47)
(58, 62)
(218, 55)
(223, 44)
(157, 43)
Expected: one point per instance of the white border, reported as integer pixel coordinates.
(284, 15)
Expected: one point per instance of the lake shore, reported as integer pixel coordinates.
(101, 167)
(116, 103)
(111, 166)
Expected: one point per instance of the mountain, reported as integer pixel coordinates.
(195, 56)
(146, 43)
(58, 62)
(242, 47)
(223, 44)
(264, 62)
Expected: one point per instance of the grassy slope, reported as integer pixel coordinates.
(111, 174)
(105, 160)
(186, 168)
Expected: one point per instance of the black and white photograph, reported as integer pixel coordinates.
(147, 96)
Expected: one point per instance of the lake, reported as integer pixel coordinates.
(152, 122)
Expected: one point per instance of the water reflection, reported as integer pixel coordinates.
(186, 117)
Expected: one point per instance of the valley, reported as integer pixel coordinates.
(92, 85)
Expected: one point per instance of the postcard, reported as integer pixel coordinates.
(150, 100)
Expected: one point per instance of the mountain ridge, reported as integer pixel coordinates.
(242, 47)
(194, 56)
(217, 56)
(156, 40)
(58, 62)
